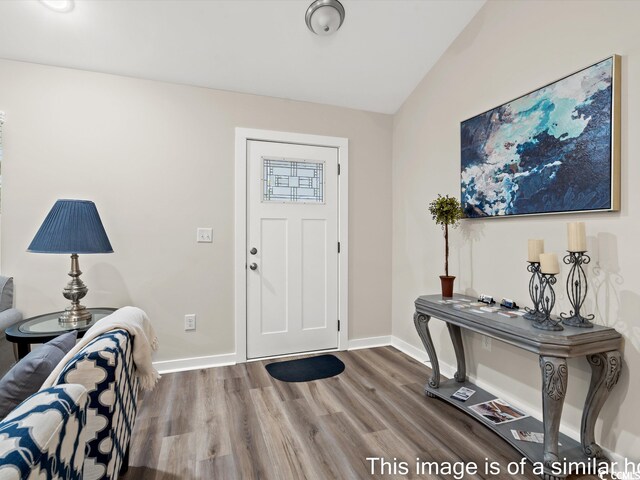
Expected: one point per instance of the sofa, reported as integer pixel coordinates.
(102, 393)
(8, 317)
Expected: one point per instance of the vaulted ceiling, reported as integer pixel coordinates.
(376, 59)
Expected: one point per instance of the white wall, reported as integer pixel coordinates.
(508, 49)
(158, 160)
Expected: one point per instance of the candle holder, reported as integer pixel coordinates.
(535, 289)
(547, 301)
(577, 290)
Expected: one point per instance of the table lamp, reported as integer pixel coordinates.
(72, 227)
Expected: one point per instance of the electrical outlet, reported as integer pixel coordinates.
(204, 235)
(486, 343)
(190, 322)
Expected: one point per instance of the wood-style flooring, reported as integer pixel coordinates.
(237, 422)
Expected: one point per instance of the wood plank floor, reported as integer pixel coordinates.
(237, 422)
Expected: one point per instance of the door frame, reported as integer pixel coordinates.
(243, 135)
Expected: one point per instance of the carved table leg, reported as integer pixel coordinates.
(421, 322)
(554, 388)
(456, 338)
(605, 372)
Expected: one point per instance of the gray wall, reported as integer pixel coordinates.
(508, 49)
(158, 160)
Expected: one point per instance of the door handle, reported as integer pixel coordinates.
(253, 266)
(253, 251)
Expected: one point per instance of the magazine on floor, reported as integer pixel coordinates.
(533, 437)
(463, 394)
(498, 411)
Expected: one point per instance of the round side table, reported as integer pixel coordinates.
(45, 327)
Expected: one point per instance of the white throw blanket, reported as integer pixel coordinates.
(134, 321)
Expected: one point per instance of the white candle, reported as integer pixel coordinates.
(577, 237)
(549, 263)
(536, 247)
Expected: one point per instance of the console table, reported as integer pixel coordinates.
(600, 345)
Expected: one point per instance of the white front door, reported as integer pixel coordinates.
(292, 248)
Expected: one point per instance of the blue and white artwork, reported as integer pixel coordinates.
(547, 151)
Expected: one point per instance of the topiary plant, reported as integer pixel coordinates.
(447, 212)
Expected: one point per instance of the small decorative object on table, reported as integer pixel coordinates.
(508, 303)
(577, 279)
(446, 211)
(536, 247)
(549, 268)
(488, 299)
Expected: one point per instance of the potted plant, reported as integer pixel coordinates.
(447, 212)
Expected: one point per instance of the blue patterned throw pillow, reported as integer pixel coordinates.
(44, 437)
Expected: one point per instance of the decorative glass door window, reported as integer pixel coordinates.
(294, 181)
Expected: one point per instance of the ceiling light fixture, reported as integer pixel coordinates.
(59, 6)
(324, 17)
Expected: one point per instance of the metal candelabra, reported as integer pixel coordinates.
(577, 290)
(547, 301)
(535, 289)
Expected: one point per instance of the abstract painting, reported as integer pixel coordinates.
(553, 150)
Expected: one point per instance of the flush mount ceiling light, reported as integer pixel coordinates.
(324, 17)
(60, 6)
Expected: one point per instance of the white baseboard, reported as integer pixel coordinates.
(369, 342)
(210, 361)
(195, 363)
(416, 353)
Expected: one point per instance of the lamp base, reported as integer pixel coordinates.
(75, 316)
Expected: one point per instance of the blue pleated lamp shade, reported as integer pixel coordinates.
(72, 226)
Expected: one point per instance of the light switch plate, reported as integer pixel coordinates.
(204, 235)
